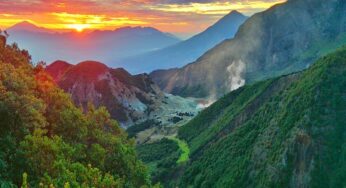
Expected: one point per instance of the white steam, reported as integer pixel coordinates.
(234, 81)
(235, 75)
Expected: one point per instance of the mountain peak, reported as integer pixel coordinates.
(57, 69)
(89, 69)
(27, 26)
(23, 24)
(181, 54)
(235, 12)
(59, 63)
(231, 17)
(86, 70)
(91, 66)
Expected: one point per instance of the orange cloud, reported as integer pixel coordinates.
(215, 7)
(91, 21)
(176, 16)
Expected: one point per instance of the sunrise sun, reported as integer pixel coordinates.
(79, 27)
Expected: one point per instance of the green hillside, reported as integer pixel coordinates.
(161, 158)
(45, 141)
(284, 132)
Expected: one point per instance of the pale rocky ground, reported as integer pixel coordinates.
(168, 109)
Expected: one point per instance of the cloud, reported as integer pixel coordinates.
(213, 8)
(177, 16)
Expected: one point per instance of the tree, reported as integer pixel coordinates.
(45, 135)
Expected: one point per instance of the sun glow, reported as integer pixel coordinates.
(78, 27)
(172, 17)
(81, 22)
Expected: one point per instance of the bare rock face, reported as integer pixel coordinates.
(285, 38)
(130, 99)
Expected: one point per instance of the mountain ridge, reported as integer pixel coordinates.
(285, 38)
(26, 26)
(188, 50)
(97, 45)
(286, 131)
(297, 145)
(91, 81)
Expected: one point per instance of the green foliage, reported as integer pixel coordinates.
(161, 157)
(25, 181)
(211, 121)
(185, 150)
(44, 135)
(290, 133)
(157, 151)
(67, 185)
(133, 130)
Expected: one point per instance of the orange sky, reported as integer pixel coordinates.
(182, 17)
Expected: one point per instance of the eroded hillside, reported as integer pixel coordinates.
(283, 132)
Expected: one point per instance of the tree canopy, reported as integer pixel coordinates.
(46, 140)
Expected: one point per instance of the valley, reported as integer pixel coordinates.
(133, 100)
(279, 132)
(253, 96)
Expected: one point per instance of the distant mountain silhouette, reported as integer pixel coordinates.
(105, 46)
(187, 51)
(27, 26)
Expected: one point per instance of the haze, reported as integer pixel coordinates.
(180, 17)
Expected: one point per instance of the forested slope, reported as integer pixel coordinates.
(284, 132)
(50, 142)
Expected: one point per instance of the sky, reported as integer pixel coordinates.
(181, 17)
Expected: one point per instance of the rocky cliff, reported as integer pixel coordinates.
(285, 38)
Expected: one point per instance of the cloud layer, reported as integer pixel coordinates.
(176, 16)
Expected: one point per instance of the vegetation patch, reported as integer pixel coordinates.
(161, 157)
(133, 130)
(184, 149)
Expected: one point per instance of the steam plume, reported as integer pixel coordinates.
(235, 75)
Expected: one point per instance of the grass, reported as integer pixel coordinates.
(184, 156)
